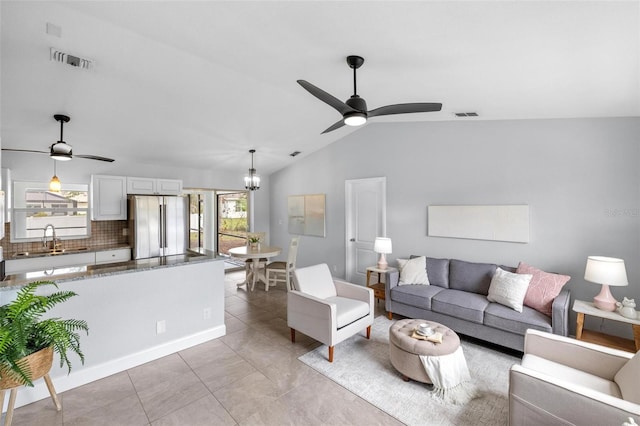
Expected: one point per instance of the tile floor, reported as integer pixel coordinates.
(251, 376)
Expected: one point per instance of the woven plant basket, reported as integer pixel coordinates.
(39, 364)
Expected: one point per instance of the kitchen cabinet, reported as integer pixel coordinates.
(108, 197)
(153, 186)
(112, 256)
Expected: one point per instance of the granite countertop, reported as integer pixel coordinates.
(80, 272)
(61, 252)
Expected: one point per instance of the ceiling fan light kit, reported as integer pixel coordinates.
(354, 111)
(61, 150)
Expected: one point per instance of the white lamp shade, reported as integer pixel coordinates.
(606, 270)
(382, 245)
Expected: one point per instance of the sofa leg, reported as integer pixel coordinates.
(293, 336)
(369, 332)
(390, 315)
(405, 378)
(330, 353)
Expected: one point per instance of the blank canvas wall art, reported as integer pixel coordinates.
(307, 214)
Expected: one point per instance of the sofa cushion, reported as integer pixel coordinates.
(415, 295)
(413, 271)
(315, 280)
(503, 318)
(508, 288)
(544, 287)
(460, 304)
(627, 379)
(437, 271)
(348, 310)
(470, 277)
(571, 375)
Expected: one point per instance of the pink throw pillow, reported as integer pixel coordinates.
(543, 288)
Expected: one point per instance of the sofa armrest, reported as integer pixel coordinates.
(594, 359)
(391, 279)
(560, 313)
(354, 291)
(539, 398)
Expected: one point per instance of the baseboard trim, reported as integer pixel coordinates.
(82, 376)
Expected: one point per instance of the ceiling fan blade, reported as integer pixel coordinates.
(25, 150)
(95, 157)
(335, 126)
(405, 109)
(325, 97)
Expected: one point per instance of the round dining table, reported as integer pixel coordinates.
(255, 253)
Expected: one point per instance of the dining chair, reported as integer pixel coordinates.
(282, 271)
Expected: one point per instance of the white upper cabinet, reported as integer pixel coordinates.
(108, 197)
(151, 186)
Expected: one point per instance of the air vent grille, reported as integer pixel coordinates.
(466, 114)
(57, 55)
(294, 153)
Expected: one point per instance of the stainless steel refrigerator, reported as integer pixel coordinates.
(158, 225)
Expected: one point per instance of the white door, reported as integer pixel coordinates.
(365, 220)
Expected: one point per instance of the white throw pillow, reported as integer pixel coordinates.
(627, 379)
(413, 271)
(509, 289)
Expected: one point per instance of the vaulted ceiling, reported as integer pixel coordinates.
(198, 83)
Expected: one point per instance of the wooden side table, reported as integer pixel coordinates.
(378, 287)
(583, 308)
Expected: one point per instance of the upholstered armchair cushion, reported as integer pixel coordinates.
(316, 281)
(348, 310)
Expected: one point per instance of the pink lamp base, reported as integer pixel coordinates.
(382, 262)
(605, 300)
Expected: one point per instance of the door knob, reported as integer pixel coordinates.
(353, 240)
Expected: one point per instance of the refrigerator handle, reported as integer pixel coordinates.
(162, 226)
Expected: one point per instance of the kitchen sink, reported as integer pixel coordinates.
(50, 251)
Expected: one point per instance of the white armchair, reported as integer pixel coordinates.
(327, 309)
(565, 381)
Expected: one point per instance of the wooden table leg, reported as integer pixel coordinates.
(636, 335)
(368, 276)
(579, 325)
(52, 392)
(256, 264)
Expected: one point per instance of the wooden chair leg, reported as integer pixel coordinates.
(52, 392)
(330, 353)
(390, 315)
(12, 402)
(293, 336)
(369, 332)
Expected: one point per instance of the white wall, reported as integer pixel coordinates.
(580, 178)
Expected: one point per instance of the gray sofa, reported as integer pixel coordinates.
(457, 298)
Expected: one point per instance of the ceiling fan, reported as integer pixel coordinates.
(61, 150)
(354, 110)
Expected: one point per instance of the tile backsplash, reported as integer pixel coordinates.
(103, 233)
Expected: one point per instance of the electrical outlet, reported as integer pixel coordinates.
(161, 327)
(125, 232)
(335, 268)
(206, 313)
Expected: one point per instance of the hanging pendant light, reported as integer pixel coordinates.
(252, 180)
(54, 184)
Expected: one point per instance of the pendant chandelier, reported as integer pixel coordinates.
(54, 184)
(252, 180)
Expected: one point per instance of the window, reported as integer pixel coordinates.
(35, 207)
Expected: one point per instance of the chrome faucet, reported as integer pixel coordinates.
(54, 239)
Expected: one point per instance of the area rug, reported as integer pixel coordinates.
(363, 367)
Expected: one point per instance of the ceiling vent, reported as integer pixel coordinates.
(294, 153)
(57, 55)
(466, 114)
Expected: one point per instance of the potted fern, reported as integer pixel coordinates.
(27, 341)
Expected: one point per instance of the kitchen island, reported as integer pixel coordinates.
(137, 311)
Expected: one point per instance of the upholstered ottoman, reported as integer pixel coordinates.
(405, 351)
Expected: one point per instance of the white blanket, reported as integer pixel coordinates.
(450, 377)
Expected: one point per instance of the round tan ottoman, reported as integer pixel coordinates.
(405, 351)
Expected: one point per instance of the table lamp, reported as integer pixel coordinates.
(606, 271)
(383, 246)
